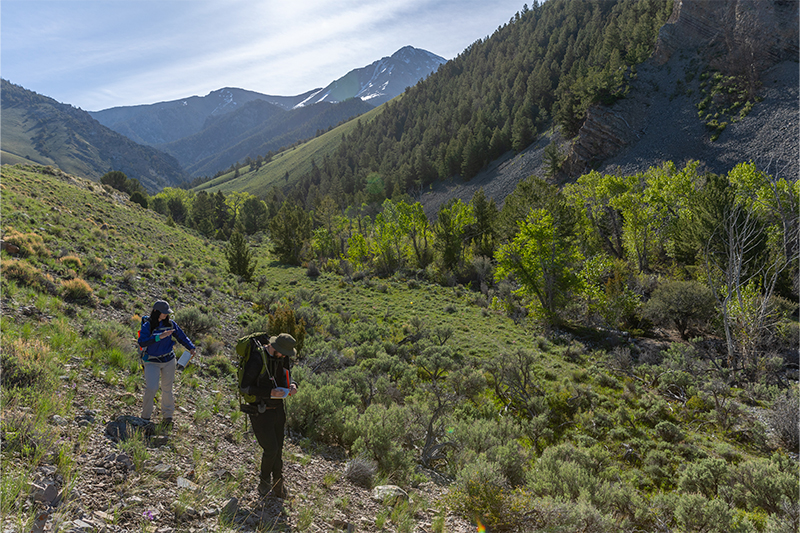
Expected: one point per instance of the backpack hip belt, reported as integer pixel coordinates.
(166, 358)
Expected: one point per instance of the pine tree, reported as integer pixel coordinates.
(239, 256)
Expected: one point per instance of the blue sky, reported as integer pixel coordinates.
(96, 54)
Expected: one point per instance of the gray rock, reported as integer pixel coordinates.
(230, 509)
(389, 494)
(40, 522)
(45, 493)
(59, 420)
(223, 475)
(184, 483)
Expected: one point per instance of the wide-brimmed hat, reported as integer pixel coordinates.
(162, 307)
(285, 344)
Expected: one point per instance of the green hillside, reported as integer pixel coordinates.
(292, 162)
(529, 429)
(40, 130)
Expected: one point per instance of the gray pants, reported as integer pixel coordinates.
(153, 372)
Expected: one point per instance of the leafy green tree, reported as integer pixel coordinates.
(240, 257)
(535, 193)
(358, 251)
(139, 198)
(452, 222)
(389, 237)
(543, 264)
(235, 200)
(606, 287)
(290, 230)
(591, 197)
(202, 214)
(253, 214)
(418, 231)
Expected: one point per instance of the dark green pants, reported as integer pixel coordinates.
(268, 428)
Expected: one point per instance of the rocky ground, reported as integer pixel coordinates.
(201, 476)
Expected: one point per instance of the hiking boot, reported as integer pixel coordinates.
(166, 424)
(264, 489)
(149, 428)
(279, 490)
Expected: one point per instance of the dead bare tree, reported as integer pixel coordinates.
(744, 278)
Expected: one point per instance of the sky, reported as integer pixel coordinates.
(98, 54)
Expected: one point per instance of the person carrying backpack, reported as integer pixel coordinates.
(266, 380)
(157, 339)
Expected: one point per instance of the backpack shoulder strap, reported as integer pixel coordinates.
(263, 353)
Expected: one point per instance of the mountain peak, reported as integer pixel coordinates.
(382, 80)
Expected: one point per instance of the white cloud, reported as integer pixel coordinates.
(102, 53)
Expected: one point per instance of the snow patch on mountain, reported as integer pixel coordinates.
(382, 80)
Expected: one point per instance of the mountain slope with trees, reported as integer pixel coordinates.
(549, 63)
(39, 129)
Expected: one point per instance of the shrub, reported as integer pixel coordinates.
(559, 517)
(322, 412)
(219, 366)
(784, 418)
(27, 275)
(194, 321)
(705, 476)
(681, 304)
(567, 472)
(669, 432)
(77, 290)
(381, 431)
(112, 335)
(360, 471)
(312, 271)
(283, 320)
(95, 268)
(694, 512)
(165, 260)
(30, 244)
(212, 345)
(767, 484)
(72, 261)
(18, 373)
(480, 490)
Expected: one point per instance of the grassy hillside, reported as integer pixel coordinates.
(293, 162)
(400, 382)
(40, 130)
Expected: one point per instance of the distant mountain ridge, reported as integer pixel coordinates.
(382, 80)
(41, 130)
(258, 128)
(165, 122)
(209, 133)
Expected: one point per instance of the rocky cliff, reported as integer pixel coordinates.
(750, 44)
(735, 34)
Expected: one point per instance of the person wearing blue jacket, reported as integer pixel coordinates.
(157, 339)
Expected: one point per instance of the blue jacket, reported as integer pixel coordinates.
(161, 351)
